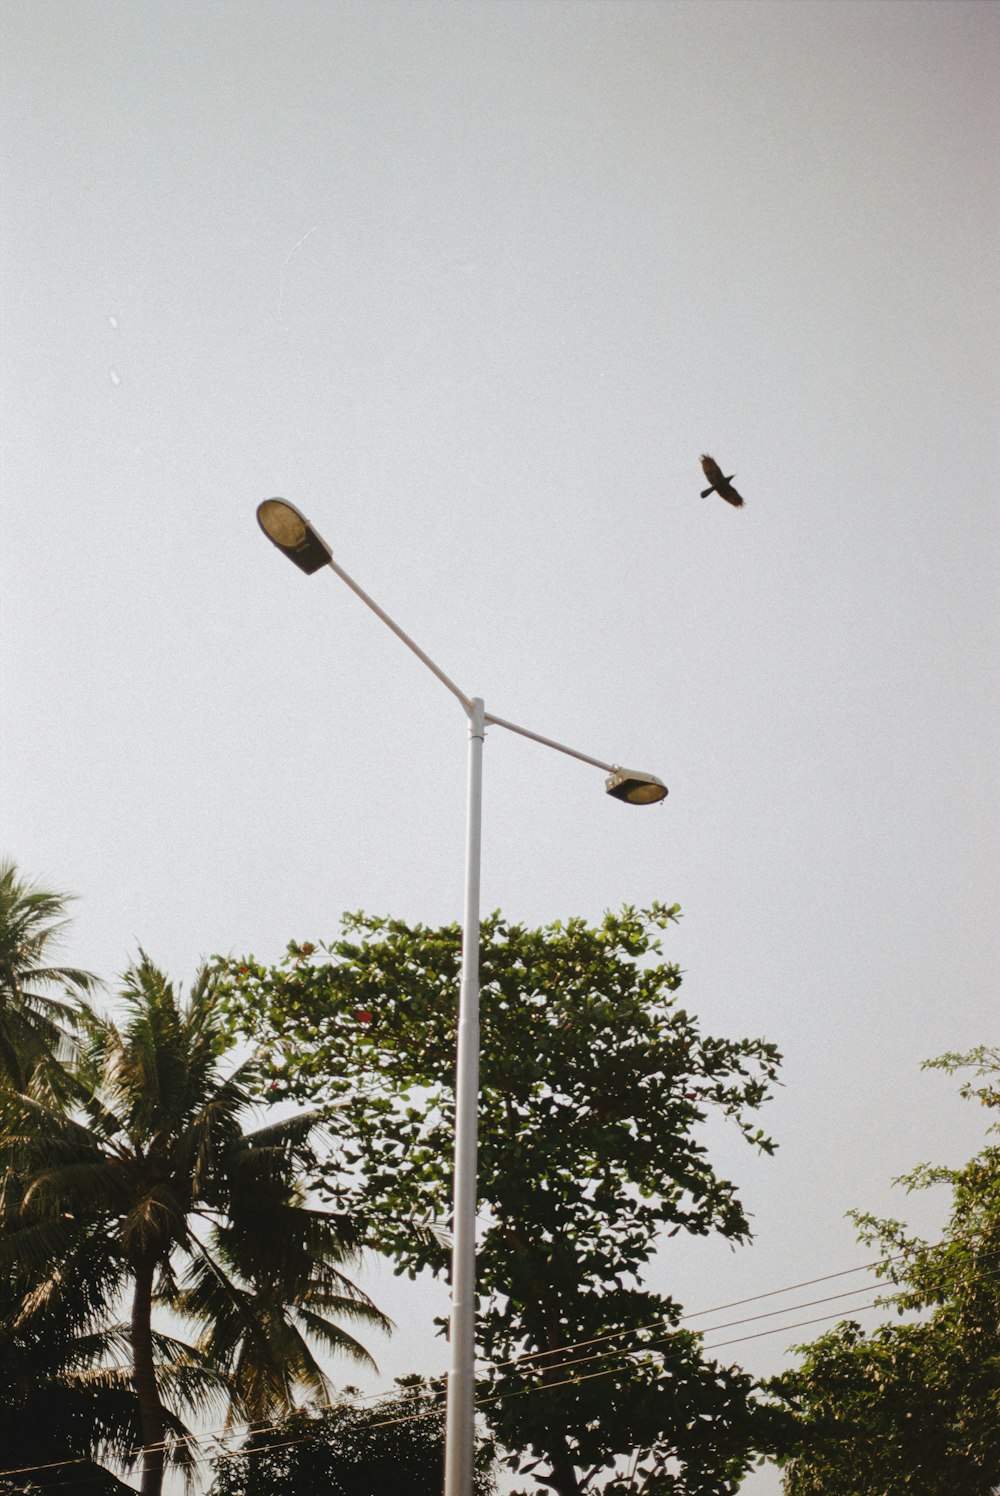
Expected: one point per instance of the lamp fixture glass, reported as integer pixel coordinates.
(292, 533)
(635, 788)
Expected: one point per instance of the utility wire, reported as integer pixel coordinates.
(701, 1313)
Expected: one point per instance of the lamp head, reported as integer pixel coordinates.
(635, 788)
(292, 533)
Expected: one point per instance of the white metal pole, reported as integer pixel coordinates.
(550, 743)
(460, 1425)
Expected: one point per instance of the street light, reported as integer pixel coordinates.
(295, 537)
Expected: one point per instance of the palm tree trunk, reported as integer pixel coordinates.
(144, 1378)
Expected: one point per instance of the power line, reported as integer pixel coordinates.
(700, 1313)
(646, 1345)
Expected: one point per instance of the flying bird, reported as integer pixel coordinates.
(719, 484)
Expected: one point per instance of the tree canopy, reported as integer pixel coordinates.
(594, 1083)
(354, 1448)
(914, 1406)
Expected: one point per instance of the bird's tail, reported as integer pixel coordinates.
(706, 491)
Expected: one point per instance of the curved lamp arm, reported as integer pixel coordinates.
(296, 538)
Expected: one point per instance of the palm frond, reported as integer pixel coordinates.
(334, 1336)
(35, 1024)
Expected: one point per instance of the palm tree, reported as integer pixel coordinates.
(34, 1024)
(156, 1178)
(68, 1403)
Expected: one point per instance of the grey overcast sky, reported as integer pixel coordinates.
(475, 285)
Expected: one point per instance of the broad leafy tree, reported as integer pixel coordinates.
(152, 1185)
(914, 1406)
(36, 997)
(594, 1084)
(354, 1448)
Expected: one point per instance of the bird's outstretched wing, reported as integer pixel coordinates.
(712, 470)
(727, 491)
